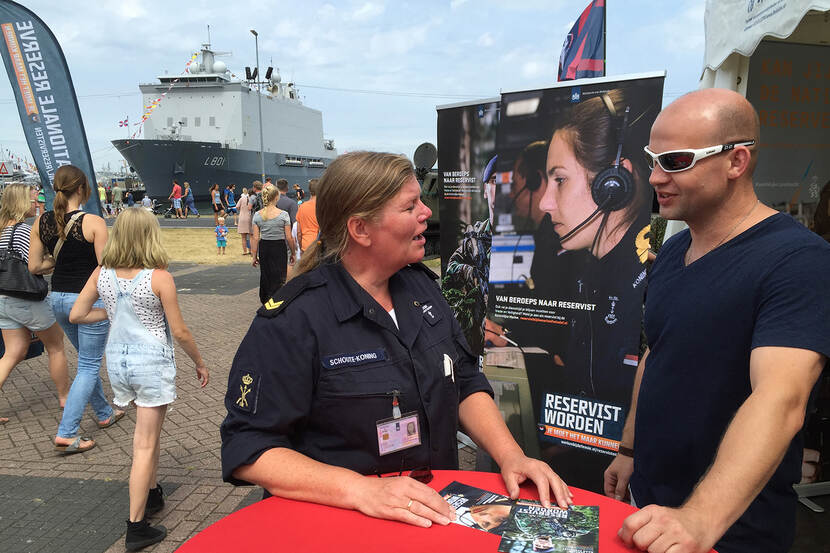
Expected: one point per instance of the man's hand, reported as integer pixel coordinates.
(494, 333)
(660, 529)
(617, 476)
(518, 468)
(401, 498)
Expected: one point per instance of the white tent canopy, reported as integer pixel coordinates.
(735, 27)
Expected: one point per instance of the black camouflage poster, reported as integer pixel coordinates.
(466, 145)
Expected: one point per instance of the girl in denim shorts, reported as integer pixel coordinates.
(140, 301)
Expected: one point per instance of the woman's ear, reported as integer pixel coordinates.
(359, 231)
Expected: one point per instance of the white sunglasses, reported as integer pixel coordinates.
(680, 160)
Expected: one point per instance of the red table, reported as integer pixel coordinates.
(278, 524)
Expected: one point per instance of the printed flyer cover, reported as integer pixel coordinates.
(533, 528)
(477, 508)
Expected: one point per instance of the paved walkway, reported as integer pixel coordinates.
(189, 442)
(50, 503)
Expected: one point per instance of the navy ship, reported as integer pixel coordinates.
(206, 131)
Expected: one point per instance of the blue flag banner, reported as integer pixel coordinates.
(45, 98)
(583, 54)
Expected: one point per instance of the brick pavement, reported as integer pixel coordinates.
(190, 437)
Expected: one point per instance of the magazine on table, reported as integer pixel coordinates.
(532, 528)
(524, 525)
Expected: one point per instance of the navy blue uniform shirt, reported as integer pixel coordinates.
(322, 361)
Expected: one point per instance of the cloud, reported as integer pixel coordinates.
(685, 32)
(486, 40)
(455, 4)
(532, 69)
(369, 10)
(130, 10)
(397, 42)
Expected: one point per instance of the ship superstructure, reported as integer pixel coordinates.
(206, 130)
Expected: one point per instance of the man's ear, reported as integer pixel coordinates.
(739, 159)
(625, 162)
(359, 231)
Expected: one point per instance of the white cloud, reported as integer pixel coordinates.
(397, 42)
(684, 33)
(369, 10)
(131, 10)
(486, 40)
(532, 69)
(455, 4)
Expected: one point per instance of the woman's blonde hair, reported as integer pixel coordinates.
(357, 184)
(268, 194)
(135, 242)
(68, 180)
(15, 203)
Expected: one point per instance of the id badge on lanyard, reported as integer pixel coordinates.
(400, 431)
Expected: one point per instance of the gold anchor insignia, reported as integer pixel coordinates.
(271, 304)
(245, 390)
(641, 242)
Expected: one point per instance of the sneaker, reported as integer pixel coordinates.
(155, 501)
(140, 534)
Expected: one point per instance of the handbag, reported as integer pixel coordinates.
(15, 279)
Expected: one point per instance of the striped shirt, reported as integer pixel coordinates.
(21, 239)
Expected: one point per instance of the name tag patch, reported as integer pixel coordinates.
(354, 359)
(431, 315)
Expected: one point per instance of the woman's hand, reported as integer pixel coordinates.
(518, 467)
(202, 375)
(401, 498)
(255, 260)
(291, 259)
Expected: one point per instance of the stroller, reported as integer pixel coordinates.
(168, 213)
(155, 208)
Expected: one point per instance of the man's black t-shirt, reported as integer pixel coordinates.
(766, 287)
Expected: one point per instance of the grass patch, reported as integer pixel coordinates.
(434, 264)
(198, 245)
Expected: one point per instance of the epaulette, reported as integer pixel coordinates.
(288, 292)
(429, 272)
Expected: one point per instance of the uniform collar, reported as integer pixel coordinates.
(348, 299)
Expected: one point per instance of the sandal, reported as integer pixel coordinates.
(114, 418)
(75, 446)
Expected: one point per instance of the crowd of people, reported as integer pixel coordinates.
(110, 294)
(374, 375)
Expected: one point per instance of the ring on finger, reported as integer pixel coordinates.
(409, 505)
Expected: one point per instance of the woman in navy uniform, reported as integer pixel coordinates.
(598, 199)
(348, 353)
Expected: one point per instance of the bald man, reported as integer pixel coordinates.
(737, 318)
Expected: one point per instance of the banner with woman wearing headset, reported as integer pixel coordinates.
(569, 247)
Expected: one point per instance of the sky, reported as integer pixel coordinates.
(376, 69)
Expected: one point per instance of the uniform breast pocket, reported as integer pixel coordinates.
(368, 389)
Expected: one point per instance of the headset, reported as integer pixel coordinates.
(613, 188)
